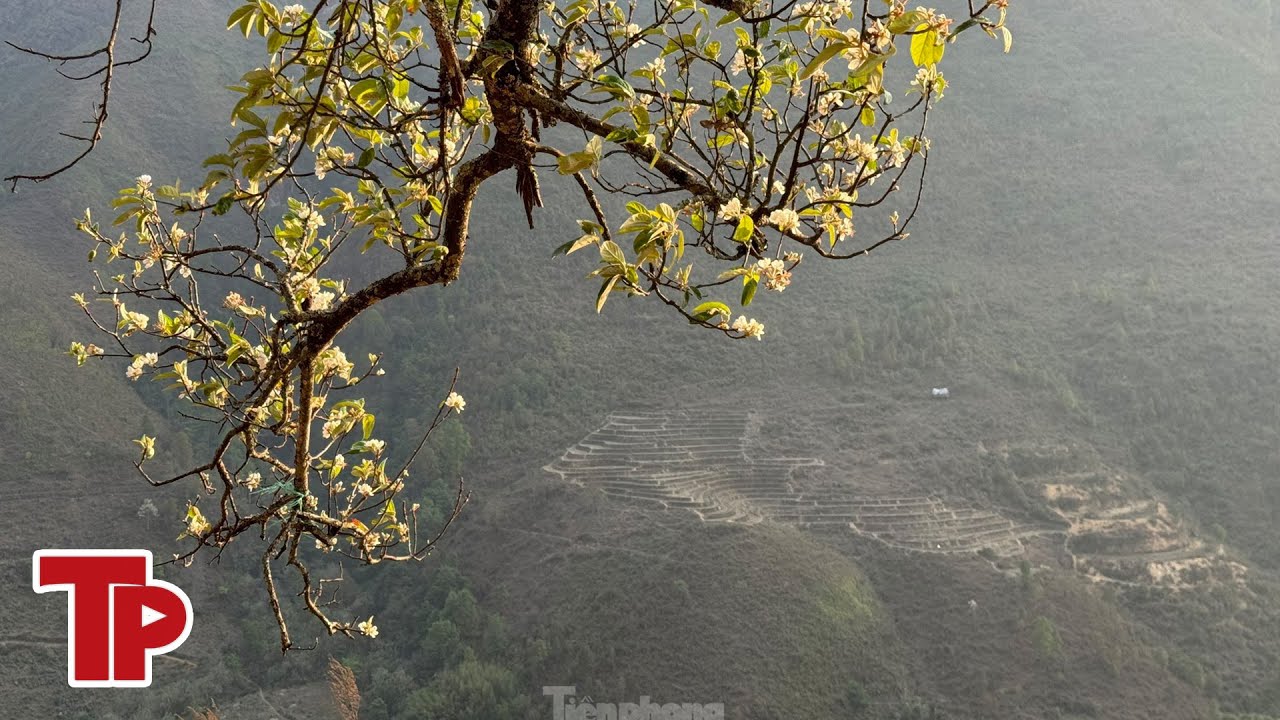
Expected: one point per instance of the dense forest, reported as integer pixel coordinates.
(1084, 528)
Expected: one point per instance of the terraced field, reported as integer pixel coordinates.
(1116, 529)
(703, 464)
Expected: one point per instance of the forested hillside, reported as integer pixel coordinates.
(1085, 528)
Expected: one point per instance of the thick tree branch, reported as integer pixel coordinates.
(673, 168)
(322, 327)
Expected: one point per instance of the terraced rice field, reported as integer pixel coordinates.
(703, 464)
(1117, 535)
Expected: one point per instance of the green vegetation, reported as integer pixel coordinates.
(1044, 637)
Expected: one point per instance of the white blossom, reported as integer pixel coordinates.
(731, 210)
(776, 275)
(749, 328)
(455, 402)
(785, 219)
(140, 362)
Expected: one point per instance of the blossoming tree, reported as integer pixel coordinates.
(748, 135)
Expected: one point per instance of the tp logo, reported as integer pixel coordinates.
(118, 618)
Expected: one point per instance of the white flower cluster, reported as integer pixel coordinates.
(293, 14)
(586, 59)
(897, 153)
(340, 420)
(253, 481)
(83, 352)
(131, 322)
(334, 362)
(864, 151)
(749, 328)
(286, 134)
(309, 290)
(829, 103)
(929, 79)
(877, 35)
(139, 362)
(785, 219)
(331, 158)
(775, 273)
(311, 219)
(837, 224)
(197, 525)
(733, 210)
(742, 62)
(824, 10)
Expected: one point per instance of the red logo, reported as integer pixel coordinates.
(118, 618)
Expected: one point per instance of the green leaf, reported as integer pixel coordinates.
(735, 272)
(611, 254)
(224, 204)
(925, 48)
(239, 15)
(369, 95)
(220, 159)
(605, 289)
(728, 18)
(574, 162)
(710, 309)
(275, 41)
(723, 140)
(400, 88)
(905, 22)
(254, 119)
(764, 84)
(873, 64)
(746, 229)
(387, 517)
(971, 22)
(829, 52)
(615, 86)
(243, 17)
(749, 285)
(574, 246)
(367, 426)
